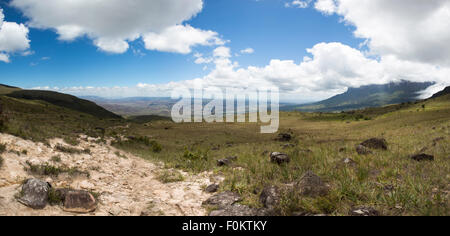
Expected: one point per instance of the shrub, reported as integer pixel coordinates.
(170, 176)
(156, 147)
(49, 170)
(72, 150)
(1, 162)
(54, 197)
(2, 148)
(56, 158)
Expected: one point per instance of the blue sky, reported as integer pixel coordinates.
(268, 27)
(348, 43)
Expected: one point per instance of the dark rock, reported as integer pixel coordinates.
(311, 185)
(227, 161)
(279, 158)
(288, 145)
(78, 201)
(362, 150)
(222, 200)
(270, 197)
(241, 210)
(235, 210)
(422, 157)
(364, 211)
(34, 193)
(375, 143)
(284, 137)
(212, 188)
(223, 162)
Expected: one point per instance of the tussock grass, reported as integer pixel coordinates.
(50, 170)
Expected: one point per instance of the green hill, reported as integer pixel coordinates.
(367, 96)
(64, 100)
(41, 115)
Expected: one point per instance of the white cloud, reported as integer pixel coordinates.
(331, 69)
(248, 51)
(180, 39)
(326, 6)
(4, 58)
(408, 37)
(112, 24)
(413, 30)
(222, 52)
(298, 3)
(13, 38)
(200, 59)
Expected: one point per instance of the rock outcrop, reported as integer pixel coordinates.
(34, 193)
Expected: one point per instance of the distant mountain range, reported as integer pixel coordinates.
(366, 96)
(354, 98)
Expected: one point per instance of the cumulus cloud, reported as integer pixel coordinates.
(413, 30)
(112, 24)
(13, 38)
(298, 3)
(248, 51)
(408, 38)
(180, 39)
(330, 69)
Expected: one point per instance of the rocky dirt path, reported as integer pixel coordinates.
(127, 185)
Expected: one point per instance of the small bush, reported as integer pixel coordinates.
(72, 150)
(25, 152)
(195, 155)
(49, 170)
(2, 148)
(156, 147)
(1, 162)
(71, 141)
(170, 176)
(54, 197)
(56, 158)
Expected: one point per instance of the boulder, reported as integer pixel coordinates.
(212, 188)
(311, 185)
(270, 197)
(288, 145)
(279, 158)
(79, 201)
(362, 150)
(227, 161)
(375, 143)
(364, 211)
(284, 137)
(34, 193)
(235, 210)
(223, 162)
(422, 157)
(223, 200)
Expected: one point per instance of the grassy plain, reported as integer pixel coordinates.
(389, 181)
